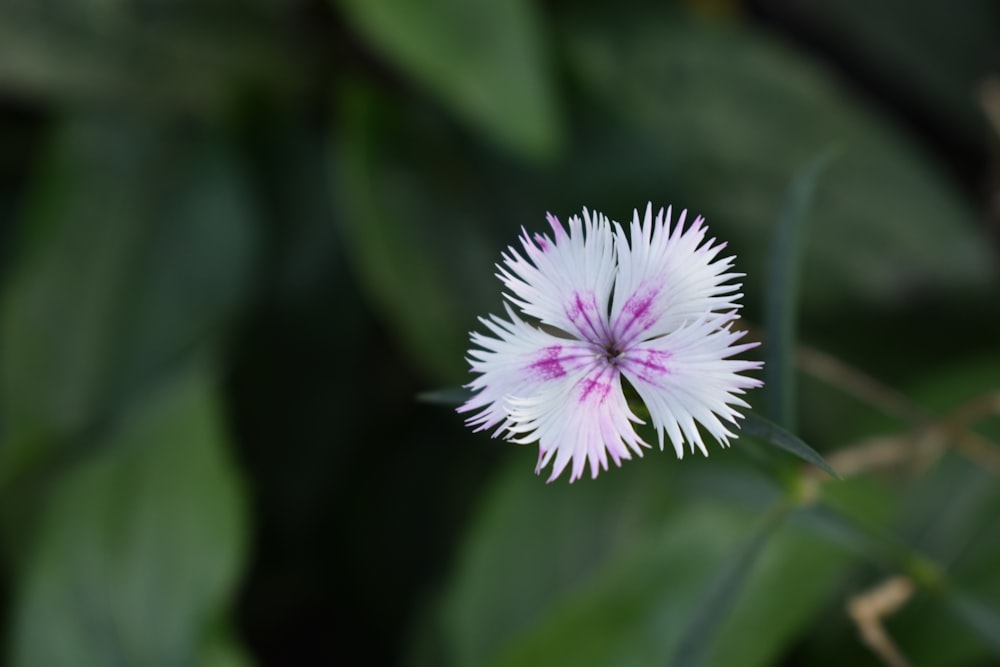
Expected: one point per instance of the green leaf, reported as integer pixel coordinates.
(420, 246)
(808, 574)
(114, 54)
(839, 528)
(138, 549)
(608, 571)
(734, 113)
(486, 60)
(630, 613)
(135, 250)
(908, 527)
(222, 650)
(451, 397)
(979, 616)
(530, 544)
(932, 55)
(780, 314)
(635, 611)
(723, 591)
(762, 429)
(949, 512)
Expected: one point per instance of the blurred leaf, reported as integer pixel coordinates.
(932, 56)
(532, 543)
(138, 549)
(736, 113)
(756, 426)
(608, 572)
(222, 650)
(451, 397)
(417, 236)
(950, 512)
(484, 59)
(796, 578)
(426, 214)
(724, 590)
(137, 245)
(947, 514)
(88, 52)
(979, 616)
(782, 305)
(962, 379)
(634, 610)
(946, 511)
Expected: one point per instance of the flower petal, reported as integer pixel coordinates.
(519, 360)
(583, 418)
(566, 282)
(667, 277)
(686, 378)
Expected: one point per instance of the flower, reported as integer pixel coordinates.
(598, 308)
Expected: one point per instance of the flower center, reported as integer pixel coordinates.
(612, 353)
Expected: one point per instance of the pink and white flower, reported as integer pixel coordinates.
(593, 308)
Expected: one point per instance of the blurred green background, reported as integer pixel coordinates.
(238, 237)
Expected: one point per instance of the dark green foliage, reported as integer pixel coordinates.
(239, 239)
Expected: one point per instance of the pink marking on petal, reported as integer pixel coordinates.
(648, 365)
(557, 227)
(637, 306)
(549, 366)
(636, 313)
(584, 314)
(656, 360)
(594, 390)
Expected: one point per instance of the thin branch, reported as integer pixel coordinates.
(870, 609)
(860, 385)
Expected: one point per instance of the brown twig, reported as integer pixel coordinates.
(860, 385)
(923, 445)
(989, 99)
(871, 608)
(929, 434)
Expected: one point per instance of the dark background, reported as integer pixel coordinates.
(239, 238)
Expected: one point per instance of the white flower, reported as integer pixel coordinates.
(653, 306)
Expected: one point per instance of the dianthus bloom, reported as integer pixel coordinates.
(653, 307)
